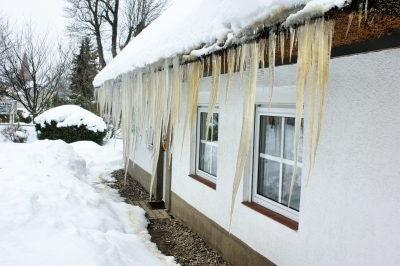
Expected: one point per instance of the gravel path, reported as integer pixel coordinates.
(132, 190)
(171, 237)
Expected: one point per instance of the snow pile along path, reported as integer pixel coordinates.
(71, 115)
(50, 215)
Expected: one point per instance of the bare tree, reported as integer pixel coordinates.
(122, 20)
(33, 68)
(137, 15)
(4, 32)
(86, 19)
(111, 8)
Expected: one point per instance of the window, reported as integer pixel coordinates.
(207, 150)
(274, 161)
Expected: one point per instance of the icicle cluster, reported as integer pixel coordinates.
(247, 120)
(144, 102)
(314, 51)
(147, 101)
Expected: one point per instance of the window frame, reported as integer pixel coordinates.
(198, 171)
(282, 112)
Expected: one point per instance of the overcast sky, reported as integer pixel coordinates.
(47, 15)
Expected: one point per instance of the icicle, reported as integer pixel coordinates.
(261, 51)
(325, 56)
(282, 44)
(292, 35)
(365, 10)
(242, 64)
(360, 8)
(231, 65)
(237, 60)
(194, 74)
(349, 24)
(176, 102)
(208, 65)
(314, 46)
(271, 60)
(262, 47)
(216, 72)
(247, 123)
(305, 35)
(314, 82)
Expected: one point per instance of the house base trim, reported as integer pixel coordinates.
(231, 248)
(140, 175)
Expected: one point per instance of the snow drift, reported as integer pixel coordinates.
(51, 216)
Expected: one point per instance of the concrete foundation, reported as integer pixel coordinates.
(232, 249)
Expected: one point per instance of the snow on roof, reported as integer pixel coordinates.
(71, 115)
(196, 27)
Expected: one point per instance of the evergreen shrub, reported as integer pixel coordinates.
(21, 118)
(69, 134)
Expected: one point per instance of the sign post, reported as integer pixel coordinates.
(9, 108)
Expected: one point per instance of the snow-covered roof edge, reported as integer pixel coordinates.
(219, 25)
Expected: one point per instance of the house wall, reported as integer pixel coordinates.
(142, 168)
(349, 210)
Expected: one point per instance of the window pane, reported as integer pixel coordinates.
(268, 179)
(208, 150)
(288, 146)
(270, 135)
(287, 172)
(214, 127)
(205, 158)
(214, 161)
(203, 118)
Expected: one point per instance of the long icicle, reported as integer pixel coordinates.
(231, 65)
(262, 45)
(271, 61)
(325, 56)
(216, 72)
(305, 35)
(292, 35)
(314, 46)
(351, 15)
(318, 36)
(176, 102)
(242, 63)
(247, 123)
(282, 44)
(194, 70)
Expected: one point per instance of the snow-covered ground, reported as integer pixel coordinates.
(56, 211)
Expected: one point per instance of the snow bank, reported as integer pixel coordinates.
(51, 216)
(71, 115)
(197, 27)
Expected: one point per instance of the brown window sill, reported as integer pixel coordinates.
(273, 215)
(204, 181)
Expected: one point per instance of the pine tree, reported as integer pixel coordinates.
(84, 69)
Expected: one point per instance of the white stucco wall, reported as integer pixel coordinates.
(350, 209)
(143, 155)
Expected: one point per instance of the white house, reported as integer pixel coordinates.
(340, 77)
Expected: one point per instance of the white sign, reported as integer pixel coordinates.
(8, 108)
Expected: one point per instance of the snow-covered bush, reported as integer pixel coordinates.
(70, 123)
(15, 133)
